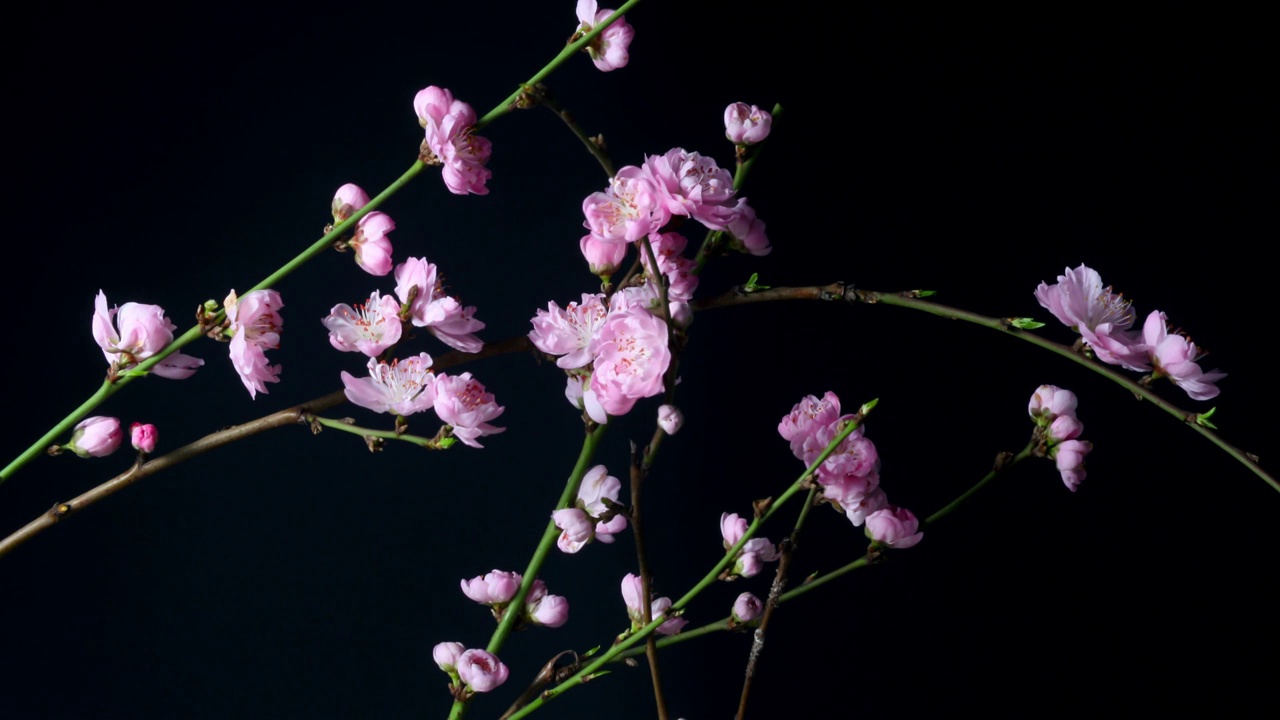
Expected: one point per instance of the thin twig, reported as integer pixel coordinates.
(639, 469)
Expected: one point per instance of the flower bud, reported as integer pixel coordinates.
(446, 655)
(670, 419)
(551, 610)
(347, 200)
(143, 437)
(746, 124)
(893, 526)
(746, 608)
(97, 436)
(1049, 402)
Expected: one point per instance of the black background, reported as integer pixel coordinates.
(166, 158)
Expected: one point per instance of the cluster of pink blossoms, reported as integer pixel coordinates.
(608, 50)
(633, 594)
(754, 553)
(641, 200)
(371, 245)
(471, 671)
(850, 476)
(451, 142)
(496, 589)
(592, 516)
(1054, 412)
(1103, 318)
(617, 353)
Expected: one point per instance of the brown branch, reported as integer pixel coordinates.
(282, 418)
(639, 469)
(788, 548)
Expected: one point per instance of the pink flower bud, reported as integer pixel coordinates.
(143, 437)
(732, 529)
(746, 608)
(893, 526)
(1049, 402)
(577, 528)
(495, 588)
(746, 124)
(1069, 457)
(551, 610)
(670, 419)
(481, 670)
(347, 200)
(97, 436)
(602, 257)
(1064, 427)
(446, 655)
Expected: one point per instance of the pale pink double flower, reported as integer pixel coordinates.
(894, 527)
(134, 332)
(755, 552)
(1103, 318)
(1174, 356)
(608, 50)
(461, 401)
(591, 517)
(371, 243)
(255, 324)
(746, 124)
(450, 138)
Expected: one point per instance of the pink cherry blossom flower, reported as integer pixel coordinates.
(856, 455)
(442, 315)
(1174, 356)
(143, 331)
(608, 50)
(630, 361)
(670, 419)
(572, 333)
(462, 402)
(402, 387)
(143, 437)
(852, 497)
(545, 609)
(371, 244)
(1102, 318)
(747, 231)
(754, 554)
(446, 655)
(632, 595)
(369, 328)
(1049, 402)
(255, 324)
(493, 588)
(806, 418)
(450, 138)
(628, 210)
(96, 436)
(692, 185)
(746, 124)
(681, 280)
(1069, 458)
(577, 529)
(894, 526)
(732, 528)
(347, 200)
(481, 670)
(746, 608)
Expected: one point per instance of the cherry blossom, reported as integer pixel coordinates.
(133, 332)
(462, 402)
(255, 324)
(369, 328)
(402, 387)
(746, 124)
(442, 315)
(96, 436)
(1174, 356)
(608, 50)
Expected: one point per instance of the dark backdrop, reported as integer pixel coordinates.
(167, 156)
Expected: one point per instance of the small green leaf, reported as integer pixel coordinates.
(1203, 418)
(1026, 323)
(926, 293)
(447, 442)
(751, 284)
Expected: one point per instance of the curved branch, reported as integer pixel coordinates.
(910, 299)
